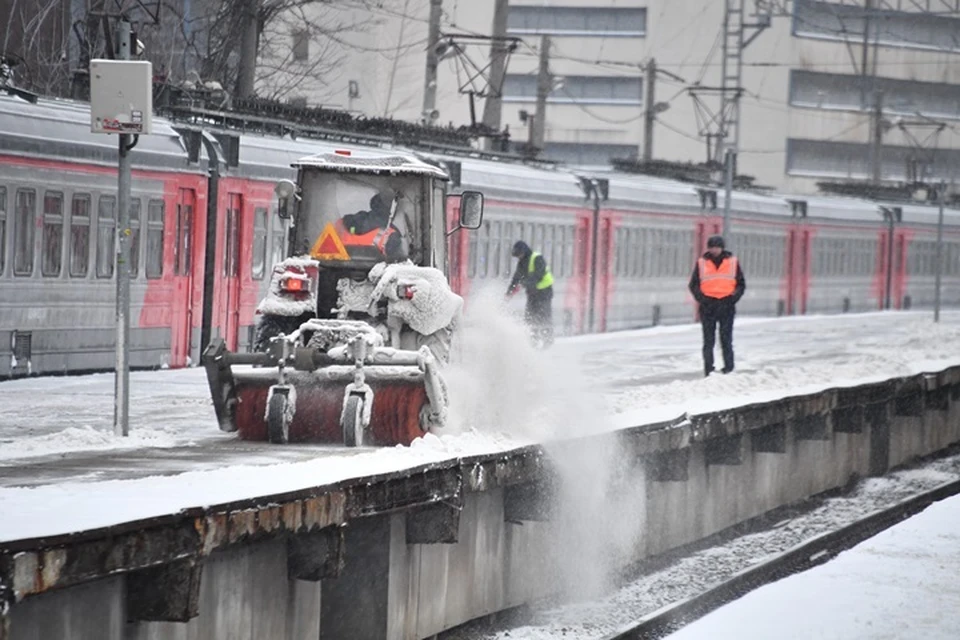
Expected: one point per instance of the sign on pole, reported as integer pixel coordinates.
(121, 102)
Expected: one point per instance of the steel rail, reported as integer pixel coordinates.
(808, 554)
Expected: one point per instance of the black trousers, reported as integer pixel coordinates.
(539, 312)
(711, 315)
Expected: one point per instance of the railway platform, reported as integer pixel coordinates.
(292, 532)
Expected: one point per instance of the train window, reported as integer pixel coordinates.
(154, 265)
(259, 265)
(472, 245)
(569, 242)
(484, 255)
(506, 255)
(106, 234)
(278, 249)
(24, 226)
(231, 245)
(52, 256)
(134, 237)
(183, 247)
(3, 228)
(79, 235)
(493, 254)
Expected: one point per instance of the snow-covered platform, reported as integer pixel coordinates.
(900, 584)
(131, 525)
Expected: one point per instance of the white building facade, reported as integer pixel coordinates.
(807, 102)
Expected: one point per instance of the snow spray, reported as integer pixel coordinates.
(500, 384)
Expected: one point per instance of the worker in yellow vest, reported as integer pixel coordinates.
(717, 284)
(534, 275)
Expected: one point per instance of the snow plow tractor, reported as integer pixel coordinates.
(357, 325)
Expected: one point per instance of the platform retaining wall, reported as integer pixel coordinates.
(410, 554)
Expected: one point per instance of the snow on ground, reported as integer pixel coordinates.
(598, 618)
(900, 584)
(63, 508)
(505, 395)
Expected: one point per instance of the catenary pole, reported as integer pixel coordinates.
(121, 414)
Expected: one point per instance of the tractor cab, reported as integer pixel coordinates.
(351, 212)
(358, 320)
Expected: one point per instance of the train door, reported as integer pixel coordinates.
(456, 249)
(604, 267)
(796, 271)
(231, 270)
(183, 262)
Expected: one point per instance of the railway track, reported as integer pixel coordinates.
(806, 555)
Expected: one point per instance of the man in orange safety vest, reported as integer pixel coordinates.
(372, 231)
(717, 284)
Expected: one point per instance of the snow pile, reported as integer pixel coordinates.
(84, 438)
(433, 306)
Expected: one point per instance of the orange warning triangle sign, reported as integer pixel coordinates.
(329, 246)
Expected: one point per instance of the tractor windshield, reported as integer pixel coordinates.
(352, 217)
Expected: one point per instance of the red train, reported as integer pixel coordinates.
(206, 234)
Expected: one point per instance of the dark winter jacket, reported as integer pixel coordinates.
(523, 276)
(729, 300)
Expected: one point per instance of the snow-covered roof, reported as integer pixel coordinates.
(355, 161)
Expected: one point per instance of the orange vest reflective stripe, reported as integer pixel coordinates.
(718, 282)
(376, 238)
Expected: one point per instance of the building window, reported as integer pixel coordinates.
(586, 21)
(79, 235)
(301, 45)
(849, 92)
(52, 234)
(106, 235)
(902, 29)
(154, 265)
(626, 90)
(259, 264)
(23, 232)
(834, 159)
(134, 237)
(3, 229)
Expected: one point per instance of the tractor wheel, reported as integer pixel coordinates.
(353, 422)
(278, 429)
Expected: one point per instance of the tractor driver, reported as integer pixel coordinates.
(373, 228)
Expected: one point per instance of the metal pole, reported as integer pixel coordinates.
(936, 286)
(876, 139)
(121, 413)
(493, 105)
(889, 283)
(729, 158)
(649, 115)
(430, 77)
(544, 85)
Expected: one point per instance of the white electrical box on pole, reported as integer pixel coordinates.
(121, 101)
